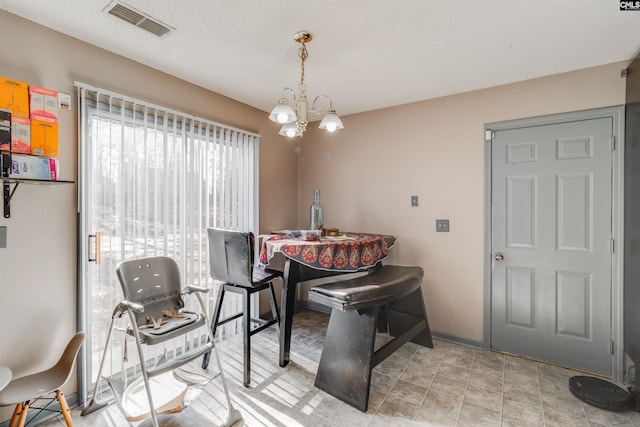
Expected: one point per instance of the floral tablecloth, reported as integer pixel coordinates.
(349, 252)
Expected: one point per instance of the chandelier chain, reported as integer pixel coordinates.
(303, 54)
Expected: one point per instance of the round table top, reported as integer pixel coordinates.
(5, 376)
(348, 252)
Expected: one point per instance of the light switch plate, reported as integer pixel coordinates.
(414, 201)
(442, 225)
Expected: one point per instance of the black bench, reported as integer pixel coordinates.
(390, 298)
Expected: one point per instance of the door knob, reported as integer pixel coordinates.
(499, 256)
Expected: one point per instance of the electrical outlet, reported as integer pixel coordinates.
(3, 236)
(442, 225)
(414, 201)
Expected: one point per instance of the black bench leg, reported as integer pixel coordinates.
(347, 356)
(402, 315)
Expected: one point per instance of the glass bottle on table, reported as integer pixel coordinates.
(316, 214)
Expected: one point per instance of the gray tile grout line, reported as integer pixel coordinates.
(429, 387)
(504, 362)
(465, 388)
(387, 394)
(544, 419)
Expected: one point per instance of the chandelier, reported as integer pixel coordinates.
(293, 113)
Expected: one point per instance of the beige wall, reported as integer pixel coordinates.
(434, 149)
(38, 268)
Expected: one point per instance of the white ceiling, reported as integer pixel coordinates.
(366, 54)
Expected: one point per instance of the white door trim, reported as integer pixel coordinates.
(617, 215)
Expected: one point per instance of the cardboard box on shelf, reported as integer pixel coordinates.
(20, 136)
(33, 167)
(44, 137)
(14, 96)
(43, 103)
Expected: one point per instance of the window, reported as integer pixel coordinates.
(151, 181)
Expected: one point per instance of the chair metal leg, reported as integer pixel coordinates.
(217, 310)
(66, 413)
(234, 417)
(143, 368)
(94, 405)
(246, 302)
(247, 328)
(274, 305)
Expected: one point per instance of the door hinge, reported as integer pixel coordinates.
(613, 143)
(612, 246)
(611, 346)
(488, 135)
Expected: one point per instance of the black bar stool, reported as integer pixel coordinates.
(231, 261)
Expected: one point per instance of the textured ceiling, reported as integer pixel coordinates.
(366, 54)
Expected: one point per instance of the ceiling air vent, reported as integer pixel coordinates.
(137, 18)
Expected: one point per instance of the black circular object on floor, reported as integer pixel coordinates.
(600, 393)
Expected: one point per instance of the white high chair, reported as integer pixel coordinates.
(153, 301)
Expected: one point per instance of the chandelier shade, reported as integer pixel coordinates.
(293, 112)
(282, 113)
(331, 122)
(289, 129)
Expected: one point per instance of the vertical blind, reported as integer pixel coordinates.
(151, 181)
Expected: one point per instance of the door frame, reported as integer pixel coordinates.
(617, 217)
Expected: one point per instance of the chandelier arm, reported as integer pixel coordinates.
(314, 108)
(290, 92)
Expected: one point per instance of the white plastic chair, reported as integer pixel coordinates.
(25, 391)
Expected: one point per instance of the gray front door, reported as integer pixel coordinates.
(551, 243)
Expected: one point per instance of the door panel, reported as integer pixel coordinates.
(521, 215)
(573, 292)
(551, 212)
(574, 212)
(520, 296)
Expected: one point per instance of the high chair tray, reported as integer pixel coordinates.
(166, 391)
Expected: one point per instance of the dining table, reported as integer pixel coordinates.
(313, 259)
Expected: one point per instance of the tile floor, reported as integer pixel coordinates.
(449, 385)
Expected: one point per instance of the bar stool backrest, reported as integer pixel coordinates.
(231, 256)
